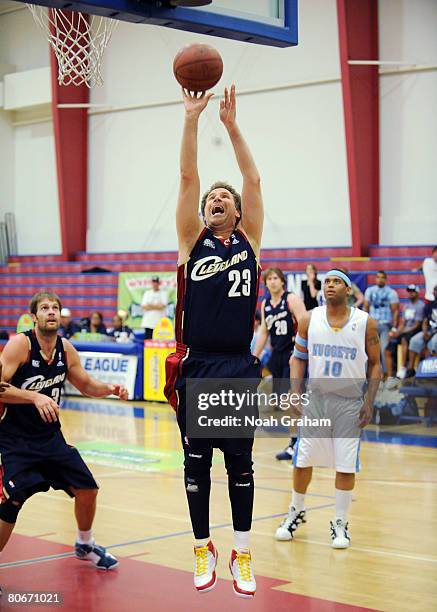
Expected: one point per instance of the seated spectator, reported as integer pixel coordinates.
(411, 322)
(382, 303)
(96, 325)
(311, 287)
(427, 338)
(68, 327)
(119, 331)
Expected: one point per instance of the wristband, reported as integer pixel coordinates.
(300, 354)
(301, 341)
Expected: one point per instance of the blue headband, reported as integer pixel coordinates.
(341, 275)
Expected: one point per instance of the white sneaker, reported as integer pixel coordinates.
(391, 382)
(286, 529)
(244, 583)
(205, 561)
(401, 372)
(339, 534)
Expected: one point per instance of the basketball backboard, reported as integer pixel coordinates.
(267, 22)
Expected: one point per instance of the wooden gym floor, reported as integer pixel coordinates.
(134, 451)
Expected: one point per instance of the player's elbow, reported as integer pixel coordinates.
(188, 176)
(253, 179)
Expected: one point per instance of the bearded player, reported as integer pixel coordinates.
(34, 453)
(218, 275)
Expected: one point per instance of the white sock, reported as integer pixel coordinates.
(343, 500)
(85, 537)
(199, 543)
(241, 540)
(298, 501)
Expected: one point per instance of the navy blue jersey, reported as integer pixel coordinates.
(217, 294)
(280, 324)
(38, 375)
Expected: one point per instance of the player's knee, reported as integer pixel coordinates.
(197, 467)
(9, 510)
(239, 468)
(86, 496)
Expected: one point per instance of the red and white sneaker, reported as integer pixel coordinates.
(205, 561)
(240, 564)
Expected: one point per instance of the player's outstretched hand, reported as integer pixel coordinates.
(366, 414)
(195, 102)
(47, 408)
(228, 107)
(120, 392)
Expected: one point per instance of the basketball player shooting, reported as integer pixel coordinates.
(34, 453)
(218, 274)
(341, 346)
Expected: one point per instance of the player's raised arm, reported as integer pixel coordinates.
(251, 198)
(188, 224)
(85, 383)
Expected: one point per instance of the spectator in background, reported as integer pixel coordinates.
(96, 325)
(154, 303)
(120, 332)
(356, 297)
(382, 303)
(427, 337)
(311, 287)
(68, 327)
(411, 322)
(429, 269)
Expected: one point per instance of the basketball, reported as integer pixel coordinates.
(198, 67)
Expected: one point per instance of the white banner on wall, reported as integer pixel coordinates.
(111, 368)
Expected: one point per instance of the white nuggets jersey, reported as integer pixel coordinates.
(337, 358)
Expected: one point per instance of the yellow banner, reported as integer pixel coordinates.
(155, 354)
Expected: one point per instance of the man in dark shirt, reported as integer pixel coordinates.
(427, 337)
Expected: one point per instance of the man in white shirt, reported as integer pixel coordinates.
(154, 303)
(429, 268)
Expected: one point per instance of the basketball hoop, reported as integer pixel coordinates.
(78, 41)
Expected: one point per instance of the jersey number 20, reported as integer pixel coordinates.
(240, 283)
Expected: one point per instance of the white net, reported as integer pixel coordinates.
(78, 40)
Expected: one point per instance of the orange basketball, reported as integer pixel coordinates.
(198, 67)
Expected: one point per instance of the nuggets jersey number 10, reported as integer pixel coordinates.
(337, 359)
(217, 294)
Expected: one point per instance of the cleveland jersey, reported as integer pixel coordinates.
(217, 294)
(280, 324)
(35, 375)
(337, 358)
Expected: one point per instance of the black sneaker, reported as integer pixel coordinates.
(286, 529)
(410, 373)
(96, 554)
(287, 453)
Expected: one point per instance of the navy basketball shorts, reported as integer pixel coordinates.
(30, 465)
(185, 364)
(279, 366)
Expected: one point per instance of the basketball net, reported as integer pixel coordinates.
(78, 41)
